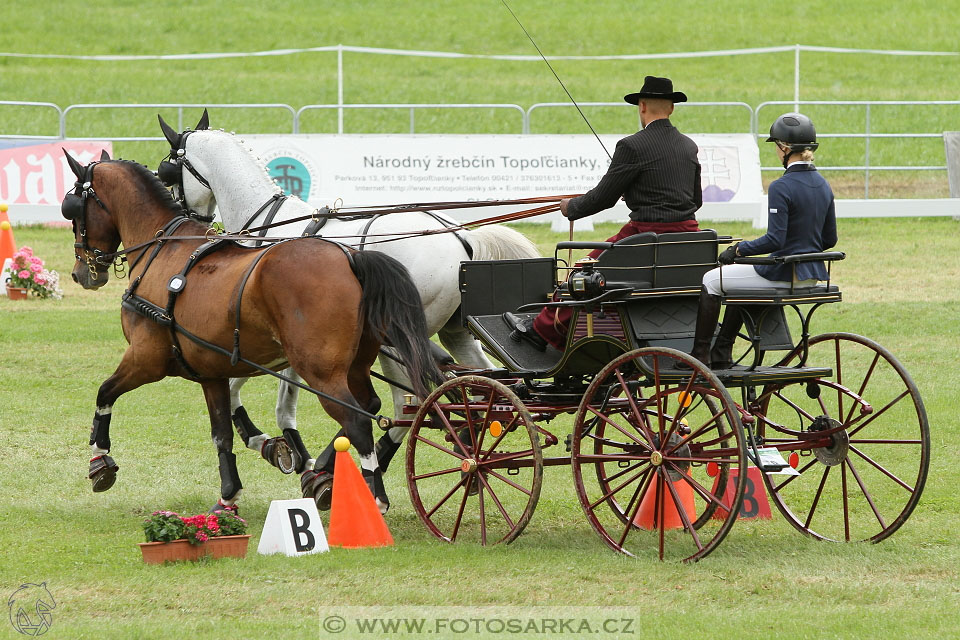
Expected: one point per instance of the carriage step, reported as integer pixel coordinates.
(770, 461)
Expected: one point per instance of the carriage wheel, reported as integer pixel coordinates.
(474, 465)
(647, 437)
(866, 479)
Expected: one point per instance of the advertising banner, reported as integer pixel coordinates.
(35, 177)
(361, 170)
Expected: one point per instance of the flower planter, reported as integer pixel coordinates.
(220, 547)
(16, 293)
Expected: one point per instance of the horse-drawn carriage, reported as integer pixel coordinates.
(659, 444)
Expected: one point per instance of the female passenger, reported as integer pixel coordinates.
(800, 219)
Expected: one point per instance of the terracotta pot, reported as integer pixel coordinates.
(222, 547)
(16, 293)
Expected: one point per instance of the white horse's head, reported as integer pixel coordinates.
(183, 176)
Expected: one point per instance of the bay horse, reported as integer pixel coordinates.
(208, 310)
(211, 169)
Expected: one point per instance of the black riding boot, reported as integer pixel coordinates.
(707, 315)
(721, 356)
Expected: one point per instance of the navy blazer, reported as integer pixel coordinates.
(800, 219)
(657, 173)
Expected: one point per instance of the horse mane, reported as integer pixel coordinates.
(251, 155)
(153, 185)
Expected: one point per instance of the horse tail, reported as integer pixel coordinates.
(394, 312)
(498, 242)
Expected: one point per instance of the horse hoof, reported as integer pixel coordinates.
(319, 486)
(277, 452)
(103, 473)
(383, 506)
(219, 506)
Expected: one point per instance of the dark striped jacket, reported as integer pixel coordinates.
(657, 173)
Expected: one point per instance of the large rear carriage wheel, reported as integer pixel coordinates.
(653, 450)
(474, 465)
(862, 480)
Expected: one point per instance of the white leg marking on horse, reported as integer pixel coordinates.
(232, 501)
(369, 462)
(105, 410)
(257, 441)
(97, 451)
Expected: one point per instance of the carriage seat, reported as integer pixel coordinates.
(788, 295)
(654, 261)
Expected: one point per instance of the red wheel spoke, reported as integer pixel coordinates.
(816, 498)
(699, 488)
(876, 414)
(638, 415)
(463, 504)
(866, 494)
(447, 496)
(683, 516)
(436, 445)
(452, 431)
(659, 509)
(614, 491)
(496, 501)
(711, 423)
(483, 515)
(434, 474)
(881, 469)
(790, 403)
(633, 507)
(506, 480)
(863, 385)
(616, 426)
(679, 414)
(800, 472)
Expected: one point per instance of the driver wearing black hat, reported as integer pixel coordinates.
(655, 171)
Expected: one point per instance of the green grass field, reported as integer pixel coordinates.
(765, 580)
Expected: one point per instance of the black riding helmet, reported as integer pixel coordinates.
(796, 131)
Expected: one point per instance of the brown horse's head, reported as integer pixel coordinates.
(95, 235)
(104, 195)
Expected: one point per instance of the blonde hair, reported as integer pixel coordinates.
(806, 155)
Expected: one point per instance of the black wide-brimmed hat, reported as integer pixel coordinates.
(656, 88)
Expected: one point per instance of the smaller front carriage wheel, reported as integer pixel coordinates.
(474, 465)
(654, 451)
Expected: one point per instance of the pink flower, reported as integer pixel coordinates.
(36, 268)
(201, 536)
(40, 280)
(24, 274)
(27, 251)
(36, 260)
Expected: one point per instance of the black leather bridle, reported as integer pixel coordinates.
(170, 173)
(74, 209)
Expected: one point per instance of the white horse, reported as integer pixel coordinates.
(214, 169)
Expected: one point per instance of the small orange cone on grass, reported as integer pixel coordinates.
(646, 517)
(355, 520)
(7, 246)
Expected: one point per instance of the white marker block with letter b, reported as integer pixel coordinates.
(293, 528)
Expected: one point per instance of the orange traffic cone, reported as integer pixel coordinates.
(355, 520)
(7, 246)
(647, 514)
